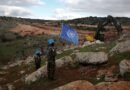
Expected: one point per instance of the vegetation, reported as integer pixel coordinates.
(65, 53)
(13, 47)
(94, 80)
(118, 57)
(98, 47)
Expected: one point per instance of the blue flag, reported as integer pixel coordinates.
(69, 34)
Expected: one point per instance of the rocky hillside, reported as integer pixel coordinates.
(93, 66)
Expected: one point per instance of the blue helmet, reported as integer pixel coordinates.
(38, 52)
(51, 41)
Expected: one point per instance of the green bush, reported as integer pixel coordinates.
(9, 36)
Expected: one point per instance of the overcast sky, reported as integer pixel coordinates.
(64, 9)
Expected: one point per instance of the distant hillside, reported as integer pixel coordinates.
(4, 19)
(87, 20)
(95, 20)
(86, 23)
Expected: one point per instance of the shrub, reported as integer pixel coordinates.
(8, 36)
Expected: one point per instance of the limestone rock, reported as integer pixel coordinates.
(121, 47)
(91, 57)
(110, 77)
(124, 66)
(125, 36)
(28, 60)
(4, 67)
(67, 60)
(10, 87)
(22, 72)
(77, 85)
(42, 72)
(121, 85)
(1, 88)
(3, 72)
(17, 63)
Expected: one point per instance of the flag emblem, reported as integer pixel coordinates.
(69, 34)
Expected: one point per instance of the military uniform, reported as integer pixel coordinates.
(51, 62)
(37, 58)
(37, 61)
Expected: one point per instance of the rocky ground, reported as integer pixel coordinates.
(103, 66)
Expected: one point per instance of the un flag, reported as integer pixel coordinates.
(69, 34)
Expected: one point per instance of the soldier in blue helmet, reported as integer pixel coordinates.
(51, 54)
(37, 58)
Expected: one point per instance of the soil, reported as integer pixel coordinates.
(65, 75)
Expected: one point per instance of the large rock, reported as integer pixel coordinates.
(36, 75)
(121, 47)
(42, 72)
(3, 72)
(91, 57)
(124, 67)
(125, 36)
(110, 77)
(77, 85)
(121, 85)
(65, 61)
(10, 87)
(1, 88)
(28, 60)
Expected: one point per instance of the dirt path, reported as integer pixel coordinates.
(63, 76)
(14, 75)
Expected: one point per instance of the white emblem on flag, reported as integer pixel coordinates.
(70, 34)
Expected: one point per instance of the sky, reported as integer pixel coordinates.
(64, 9)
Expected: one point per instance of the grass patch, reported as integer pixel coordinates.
(98, 47)
(64, 53)
(7, 26)
(43, 61)
(118, 57)
(92, 48)
(19, 48)
(9, 51)
(94, 80)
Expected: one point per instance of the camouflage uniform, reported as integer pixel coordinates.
(51, 62)
(37, 58)
(37, 61)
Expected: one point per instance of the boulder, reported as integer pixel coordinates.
(110, 77)
(125, 36)
(17, 63)
(121, 85)
(91, 57)
(42, 72)
(108, 74)
(124, 67)
(121, 47)
(2, 79)
(10, 87)
(77, 85)
(88, 43)
(22, 72)
(1, 88)
(99, 42)
(4, 67)
(3, 72)
(65, 61)
(28, 60)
